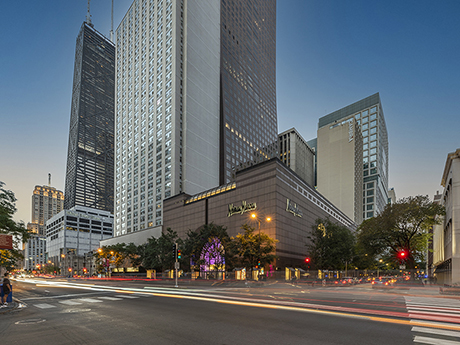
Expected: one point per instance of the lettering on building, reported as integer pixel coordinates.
(245, 207)
(293, 208)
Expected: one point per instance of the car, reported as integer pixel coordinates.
(382, 283)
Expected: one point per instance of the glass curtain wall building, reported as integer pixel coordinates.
(195, 97)
(368, 114)
(90, 163)
(249, 131)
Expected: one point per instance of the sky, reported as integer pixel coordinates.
(330, 54)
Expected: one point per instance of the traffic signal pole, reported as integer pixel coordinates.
(176, 264)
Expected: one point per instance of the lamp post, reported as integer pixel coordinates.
(267, 219)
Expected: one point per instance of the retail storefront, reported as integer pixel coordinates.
(285, 208)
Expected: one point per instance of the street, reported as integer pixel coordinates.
(126, 312)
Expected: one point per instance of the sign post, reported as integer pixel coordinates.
(176, 264)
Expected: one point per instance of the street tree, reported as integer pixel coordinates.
(402, 227)
(159, 253)
(10, 257)
(331, 245)
(209, 246)
(253, 249)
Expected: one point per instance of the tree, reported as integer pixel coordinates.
(253, 248)
(209, 246)
(402, 226)
(9, 258)
(159, 253)
(331, 245)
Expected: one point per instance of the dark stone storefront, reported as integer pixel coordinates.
(268, 189)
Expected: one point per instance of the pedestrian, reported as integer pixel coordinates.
(6, 289)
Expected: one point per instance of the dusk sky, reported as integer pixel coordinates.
(329, 55)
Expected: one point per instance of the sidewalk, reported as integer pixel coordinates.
(10, 307)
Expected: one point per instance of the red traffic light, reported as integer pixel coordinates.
(307, 260)
(402, 254)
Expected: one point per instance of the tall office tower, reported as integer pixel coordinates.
(90, 164)
(195, 97)
(46, 202)
(340, 167)
(249, 126)
(297, 155)
(368, 114)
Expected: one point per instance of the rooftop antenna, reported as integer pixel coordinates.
(88, 17)
(49, 180)
(111, 26)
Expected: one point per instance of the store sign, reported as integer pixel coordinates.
(245, 207)
(293, 208)
(6, 241)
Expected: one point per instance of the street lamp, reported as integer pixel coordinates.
(267, 219)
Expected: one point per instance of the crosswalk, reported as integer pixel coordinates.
(435, 320)
(80, 301)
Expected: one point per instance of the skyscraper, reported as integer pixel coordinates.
(90, 164)
(368, 114)
(46, 202)
(195, 99)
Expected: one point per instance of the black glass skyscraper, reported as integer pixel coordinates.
(90, 160)
(249, 129)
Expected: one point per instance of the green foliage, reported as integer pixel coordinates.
(159, 253)
(10, 258)
(117, 255)
(251, 247)
(331, 245)
(403, 225)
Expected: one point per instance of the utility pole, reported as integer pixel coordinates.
(176, 263)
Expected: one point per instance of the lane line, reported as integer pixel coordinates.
(70, 302)
(44, 306)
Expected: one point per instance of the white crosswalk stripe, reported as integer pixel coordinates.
(110, 298)
(80, 301)
(441, 317)
(44, 305)
(70, 302)
(90, 300)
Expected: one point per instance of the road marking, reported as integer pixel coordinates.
(436, 331)
(110, 298)
(44, 306)
(434, 341)
(90, 300)
(128, 296)
(70, 302)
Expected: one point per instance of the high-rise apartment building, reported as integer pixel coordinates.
(46, 202)
(297, 155)
(90, 163)
(368, 114)
(195, 100)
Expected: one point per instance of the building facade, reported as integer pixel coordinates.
(297, 155)
(46, 202)
(268, 189)
(446, 236)
(193, 102)
(72, 234)
(90, 163)
(368, 114)
(340, 167)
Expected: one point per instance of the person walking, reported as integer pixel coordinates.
(6, 289)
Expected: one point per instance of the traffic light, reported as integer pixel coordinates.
(179, 254)
(307, 260)
(258, 263)
(402, 254)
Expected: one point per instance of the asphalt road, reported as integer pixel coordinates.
(69, 312)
